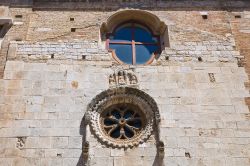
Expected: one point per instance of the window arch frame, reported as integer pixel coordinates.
(133, 43)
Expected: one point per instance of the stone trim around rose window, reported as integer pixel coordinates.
(124, 102)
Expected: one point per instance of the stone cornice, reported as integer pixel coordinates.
(143, 4)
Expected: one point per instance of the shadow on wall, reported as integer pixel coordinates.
(82, 132)
(17, 3)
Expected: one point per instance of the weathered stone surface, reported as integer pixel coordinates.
(198, 82)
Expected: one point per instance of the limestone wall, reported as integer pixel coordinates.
(203, 121)
(185, 26)
(52, 74)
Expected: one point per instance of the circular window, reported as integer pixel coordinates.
(133, 43)
(122, 117)
(122, 121)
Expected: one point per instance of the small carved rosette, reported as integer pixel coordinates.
(123, 78)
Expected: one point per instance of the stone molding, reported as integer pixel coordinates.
(157, 26)
(143, 4)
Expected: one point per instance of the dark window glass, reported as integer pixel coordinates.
(143, 35)
(144, 53)
(122, 121)
(123, 52)
(123, 34)
(116, 133)
(133, 43)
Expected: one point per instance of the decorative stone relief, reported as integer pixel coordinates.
(122, 117)
(161, 148)
(211, 77)
(241, 61)
(21, 142)
(123, 78)
(85, 150)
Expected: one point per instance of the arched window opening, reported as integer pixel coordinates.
(133, 43)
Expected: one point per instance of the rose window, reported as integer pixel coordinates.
(122, 121)
(122, 117)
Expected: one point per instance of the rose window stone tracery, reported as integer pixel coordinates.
(122, 121)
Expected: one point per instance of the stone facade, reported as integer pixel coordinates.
(54, 64)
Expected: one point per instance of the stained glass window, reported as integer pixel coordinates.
(133, 44)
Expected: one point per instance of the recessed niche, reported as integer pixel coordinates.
(59, 155)
(204, 17)
(237, 16)
(72, 19)
(19, 16)
(18, 39)
(73, 29)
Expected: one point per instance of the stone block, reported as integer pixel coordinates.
(102, 152)
(60, 142)
(150, 151)
(54, 153)
(166, 132)
(14, 66)
(35, 153)
(72, 153)
(51, 161)
(149, 161)
(183, 142)
(45, 142)
(75, 142)
(242, 133)
(117, 152)
(12, 152)
(136, 161)
(179, 152)
(102, 161)
(18, 161)
(32, 161)
(237, 161)
(32, 142)
(6, 161)
(171, 142)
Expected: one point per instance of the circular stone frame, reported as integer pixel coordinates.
(123, 95)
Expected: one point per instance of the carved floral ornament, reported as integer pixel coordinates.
(123, 117)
